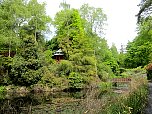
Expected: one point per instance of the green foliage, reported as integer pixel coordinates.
(122, 70)
(16, 16)
(75, 80)
(145, 7)
(149, 71)
(104, 71)
(64, 68)
(114, 66)
(52, 80)
(2, 89)
(139, 71)
(139, 51)
(114, 51)
(138, 55)
(105, 86)
(75, 45)
(137, 100)
(70, 34)
(22, 74)
(26, 68)
(22, 28)
(4, 70)
(48, 56)
(128, 103)
(87, 56)
(121, 60)
(94, 19)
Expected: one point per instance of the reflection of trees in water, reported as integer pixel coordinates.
(17, 105)
(51, 103)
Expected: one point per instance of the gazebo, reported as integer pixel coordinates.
(58, 55)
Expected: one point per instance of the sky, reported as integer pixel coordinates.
(121, 19)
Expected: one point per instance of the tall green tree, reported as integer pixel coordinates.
(38, 18)
(9, 23)
(94, 18)
(140, 49)
(22, 28)
(72, 39)
(15, 15)
(26, 68)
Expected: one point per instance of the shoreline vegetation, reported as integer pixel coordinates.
(75, 58)
(121, 100)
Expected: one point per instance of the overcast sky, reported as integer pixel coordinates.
(121, 18)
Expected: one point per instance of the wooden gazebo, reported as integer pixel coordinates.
(58, 55)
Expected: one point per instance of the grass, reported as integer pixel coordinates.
(133, 101)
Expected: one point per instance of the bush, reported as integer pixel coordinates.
(105, 86)
(25, 73)
(104, 71)
(75, 80)
(149, 71)
(122, 70)
(51, 80)
(48, 57)
(26, 66)
(64, 68)
(2, 89)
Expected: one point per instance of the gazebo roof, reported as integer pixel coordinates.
(58, 52)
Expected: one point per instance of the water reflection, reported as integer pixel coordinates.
(40, 103)
(86, 101)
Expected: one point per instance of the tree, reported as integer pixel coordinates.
(145, 9)
(17, 15)
(64, 5)
(70, 33)
(94, 18)
(22, 28)
(38, 18)
(26, 68)
(104, 59)
(9, 23)
(139, 50)
(114, 51)
(72, 39)
(138, 55)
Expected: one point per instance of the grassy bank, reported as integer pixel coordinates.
(131, 102)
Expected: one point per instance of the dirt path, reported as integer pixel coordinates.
(148, 110)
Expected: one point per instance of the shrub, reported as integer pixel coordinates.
(105, 86)
(122, 70)
(50, 79)
(104, 71)
(64, 68)
(149, 71)
(75, 80)
(48, 57)
(2, 89)
(25, 73)
(26, 66)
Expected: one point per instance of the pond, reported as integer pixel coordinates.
(79, 102)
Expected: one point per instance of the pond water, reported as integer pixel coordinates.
(50, 103)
